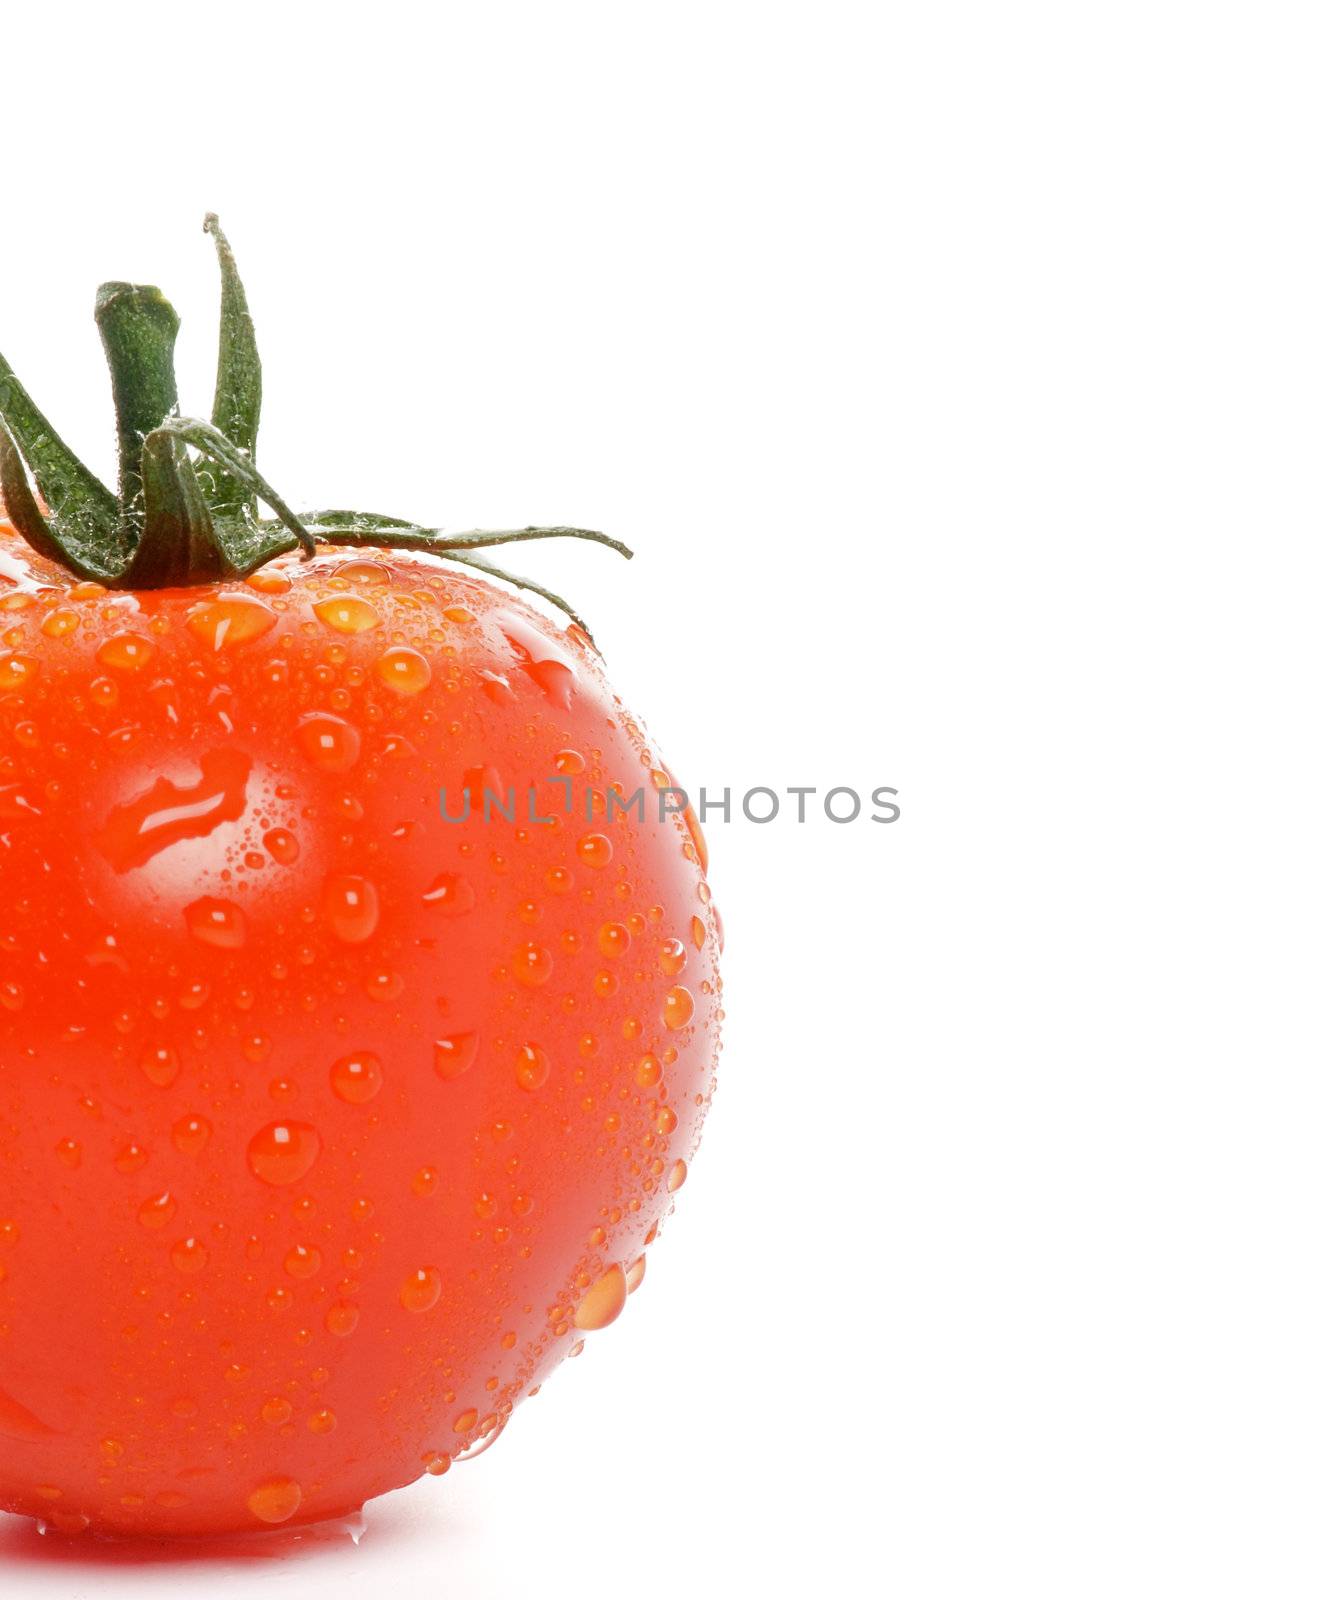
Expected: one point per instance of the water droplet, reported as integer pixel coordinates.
(613, 940)
(158, 1211)
(303, 1261)
(695, 833)
(542, 661)
(130, 1158)
(276, 1411)
(368, 574)
(437, 1463)
(678, 1007)
(232, 620)
(283, 1152)
(160, 1065)
(634, 1273)
(190, 1134)
(59, 623)
(347, 614)
(422, 1289)
(403, 670)
(532, 965)
(322, 1421)
(70, 1153)
(384, 986)
(284, 847)
(465, 1421)
(189, 1256)
(699, 932)
(672, 957)
(570, 762)
(357, 1078)
(450, 894)
(603, 1302)
(328, 741)
(342, 1318)
(351, 908)
(217, 923)
(453, 1055)
(647, 1073)
(269, 581)
(677, 1174)
(15, 671)
(666, 1121)
(275, 1500)
(595, 850)
(533, 1067)
(126, 652)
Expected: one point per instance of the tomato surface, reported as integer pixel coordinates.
(328, 1125)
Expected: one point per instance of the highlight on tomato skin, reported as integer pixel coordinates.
(328, 1127)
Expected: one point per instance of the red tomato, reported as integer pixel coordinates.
(327, 1126)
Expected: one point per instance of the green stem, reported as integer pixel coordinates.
(184, 520)
(179, 545)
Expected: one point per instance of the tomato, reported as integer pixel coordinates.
(331, 1119)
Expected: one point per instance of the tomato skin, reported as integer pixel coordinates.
(327, 1126)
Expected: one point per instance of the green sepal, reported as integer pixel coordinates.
(367, 529)
(21, 505)
(238, 397)
(84, 513)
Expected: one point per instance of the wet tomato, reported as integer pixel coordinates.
(331, 1118)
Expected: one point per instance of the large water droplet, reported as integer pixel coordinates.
(351, 908)
(217, 923)
(453, 1055)
(678, 1007)
(347, 614)
(450, 894)
(328, 742)
(532, 965)
(532, 1067)
(160, 1065)
(284, 1152)
(422, 1289)
(302, 1261)
(357, 1078)
(341, 1319)
(126, 652)
(603, 1302)
(231, 620)
(403, 670)
(595, 850)
(190, 1134)
(157, 1211)
(189, 1256)
(275, 1500)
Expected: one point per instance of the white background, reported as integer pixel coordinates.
(962, 375)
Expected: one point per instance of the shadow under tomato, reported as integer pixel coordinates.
(23, 1542)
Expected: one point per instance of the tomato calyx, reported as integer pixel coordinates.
(187, 508)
